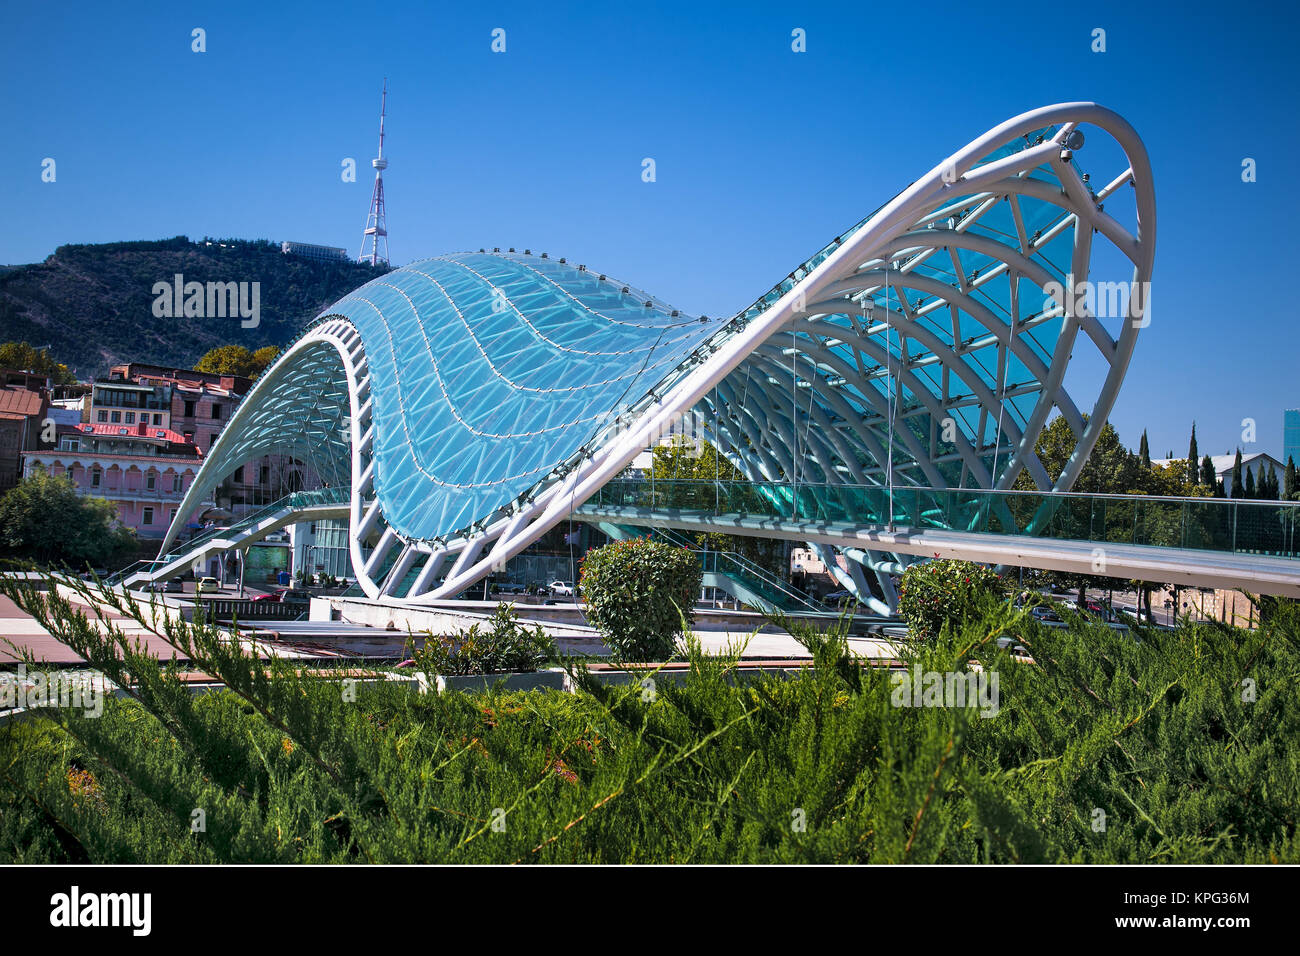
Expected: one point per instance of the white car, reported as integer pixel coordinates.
(561, 588)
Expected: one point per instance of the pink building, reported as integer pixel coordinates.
(142, 469)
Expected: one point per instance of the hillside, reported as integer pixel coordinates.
(94, 304)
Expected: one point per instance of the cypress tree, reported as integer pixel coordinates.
(1238, 489)
(1251, 490)
(1193, 457)
(1144, 451)
(1219, 491)
(1208, 477)
(1272, 484)
(1289, 480)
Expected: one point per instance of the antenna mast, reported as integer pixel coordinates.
(376, 224)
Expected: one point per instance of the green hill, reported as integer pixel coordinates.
(94, 304)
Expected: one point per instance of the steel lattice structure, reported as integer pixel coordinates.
(471, 401)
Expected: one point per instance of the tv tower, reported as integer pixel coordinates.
(376, 226)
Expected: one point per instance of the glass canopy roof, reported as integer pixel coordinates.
(492, 368)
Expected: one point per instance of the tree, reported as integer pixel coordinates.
(1238, 489)
(640, 593)
(226, 360)
(1271, 485)
(1251, 490)
(263, 358)
(43, 519)
(237, 360)
(21, 356)
(1289, 480)
(1193, 457)
(1208, 477)
(1144, 450)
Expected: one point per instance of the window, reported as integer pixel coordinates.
(70, 444)
(148, 516)
(102, 416)
(176, 483)
(116, 418)
(266, 475)
(130, 418)
(149, 481)
(212, 440)
(171, 516)
(216, 411)
(95, 477)
(157, 419)
(238, 476)
(189, 409)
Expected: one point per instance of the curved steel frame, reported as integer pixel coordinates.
(865, 342)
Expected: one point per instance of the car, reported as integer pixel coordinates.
(284, 596)
(1045, 615)
(206, 585)
(839, 597)
(561, 588)
(174, 586)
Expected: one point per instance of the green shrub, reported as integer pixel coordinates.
(944, 591)
(1188, 763)
(638, 593)
(505, 646)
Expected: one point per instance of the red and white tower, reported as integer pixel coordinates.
(376, 226)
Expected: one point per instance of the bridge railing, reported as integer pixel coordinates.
(1207, 524)
(297, 500)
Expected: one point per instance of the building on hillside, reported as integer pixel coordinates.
(306, 250)
(22, 412)
(143, 470)
(1255, 463)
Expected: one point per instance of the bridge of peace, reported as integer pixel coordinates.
(881, 401)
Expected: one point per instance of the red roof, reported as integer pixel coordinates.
(138, 430)
(20, 401)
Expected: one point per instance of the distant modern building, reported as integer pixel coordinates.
(1291, 435)
(307, 250)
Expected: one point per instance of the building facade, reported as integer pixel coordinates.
(144, 471)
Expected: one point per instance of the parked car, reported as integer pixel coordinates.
(174, 586)
(561, 588)
(284, 596)
(206, 586)
(1045, 615)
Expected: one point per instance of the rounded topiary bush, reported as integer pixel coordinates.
(638, 592)
(943, 590)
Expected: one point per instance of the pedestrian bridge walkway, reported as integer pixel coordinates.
(1206, 542)
(300, 506)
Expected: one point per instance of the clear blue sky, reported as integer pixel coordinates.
(762, 154)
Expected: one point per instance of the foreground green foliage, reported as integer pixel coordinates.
(1185, 762)
(502, 645)
(638, 593)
